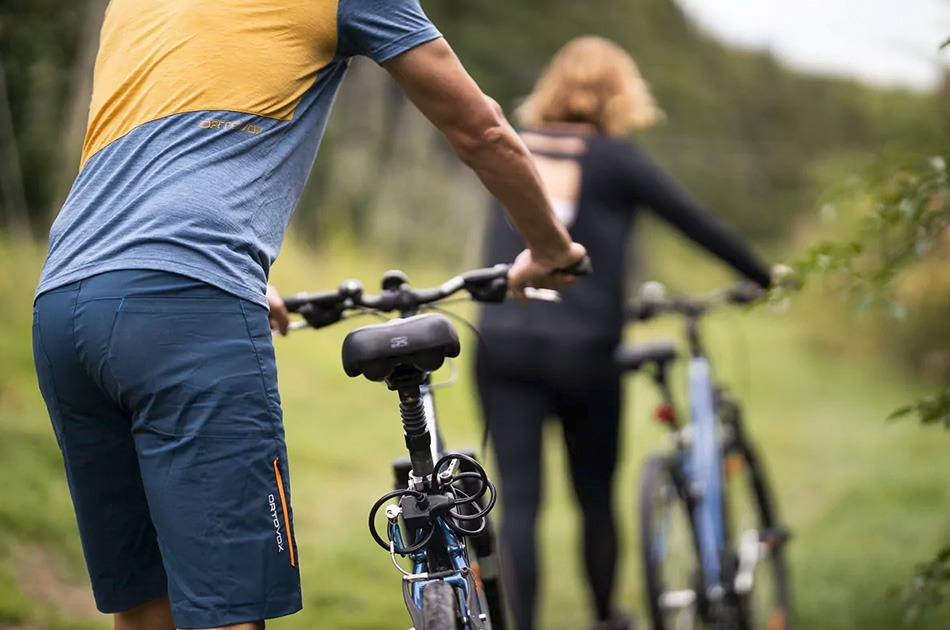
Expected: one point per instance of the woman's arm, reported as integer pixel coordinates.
(651, 186)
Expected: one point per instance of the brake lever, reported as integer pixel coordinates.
(319, 317)
(292, 326)
(495, 290)
(542, 295)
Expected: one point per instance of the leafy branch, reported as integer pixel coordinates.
(908, 219)
(910, 212)
(931, 585)
(933, 409)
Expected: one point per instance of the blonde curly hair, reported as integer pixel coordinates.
(591, 80)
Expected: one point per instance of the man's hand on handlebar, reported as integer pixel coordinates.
(278, 315)
(529, 271)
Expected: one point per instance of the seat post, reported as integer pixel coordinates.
(407, 380)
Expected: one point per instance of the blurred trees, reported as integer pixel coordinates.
(38, 46)
(743, 132)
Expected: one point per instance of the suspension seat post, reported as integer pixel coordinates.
(418, 441)
(407, 382)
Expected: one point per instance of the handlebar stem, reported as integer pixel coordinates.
(692, 333)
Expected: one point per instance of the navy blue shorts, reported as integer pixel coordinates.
(162, 393)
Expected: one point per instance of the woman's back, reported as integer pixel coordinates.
(580, 172)
(596, 183)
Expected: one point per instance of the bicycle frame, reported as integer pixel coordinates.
(434, 487)
(717, 590)
(445, 546)
(461, 577)
(704, 472)
(700, 459)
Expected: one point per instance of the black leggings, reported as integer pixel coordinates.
(521, 383)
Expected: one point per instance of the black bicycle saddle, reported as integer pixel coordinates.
(632, 357)
(422, 342)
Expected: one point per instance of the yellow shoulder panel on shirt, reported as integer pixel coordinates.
(163, 57)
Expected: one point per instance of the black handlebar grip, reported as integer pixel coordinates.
(296, 302)
(745, 293)
(583, 267)
(293, 304)
(640, 311)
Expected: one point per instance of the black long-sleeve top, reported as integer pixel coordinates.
(616, 179)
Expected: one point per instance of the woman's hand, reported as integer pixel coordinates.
(783, 276)
(278, 315)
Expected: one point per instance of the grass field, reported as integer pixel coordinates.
(866, 499)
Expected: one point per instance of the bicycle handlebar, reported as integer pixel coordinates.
(653, 301)
(483, 285)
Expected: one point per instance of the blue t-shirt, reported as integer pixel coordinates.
(204, 124)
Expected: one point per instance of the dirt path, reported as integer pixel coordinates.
(41, 577)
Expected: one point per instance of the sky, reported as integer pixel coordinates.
(890, 42)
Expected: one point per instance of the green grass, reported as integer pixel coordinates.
(867, 499)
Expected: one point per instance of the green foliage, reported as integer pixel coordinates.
(889, 252)
(933, 409)
(931, 586)
(910, 211)
(906, 226)
(38, 49)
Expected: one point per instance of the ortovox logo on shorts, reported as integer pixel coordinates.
(273, 513)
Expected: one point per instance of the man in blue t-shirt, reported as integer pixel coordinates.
(152, 319)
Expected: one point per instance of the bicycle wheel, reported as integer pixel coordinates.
(439, 607)
(668, 548)
(761, 572)
(485, 560)
(487, 578)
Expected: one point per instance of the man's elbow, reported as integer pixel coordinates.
(486, 143)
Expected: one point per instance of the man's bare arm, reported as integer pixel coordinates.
(475, 127)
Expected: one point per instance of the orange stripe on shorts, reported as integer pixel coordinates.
(283, 502)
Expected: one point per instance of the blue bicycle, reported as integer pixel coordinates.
(711, 542)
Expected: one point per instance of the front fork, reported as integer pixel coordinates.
(460, 576)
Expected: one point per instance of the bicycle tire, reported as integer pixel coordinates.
(741, 457)
(488, 580)
(494, 603)
(661, 496)
(439, 607)
(485, 548)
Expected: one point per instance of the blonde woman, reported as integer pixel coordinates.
(541, 360)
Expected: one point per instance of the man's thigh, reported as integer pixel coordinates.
(197, 368)
(94, 434)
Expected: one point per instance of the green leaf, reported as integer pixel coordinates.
(901, 412)
(896, 310)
